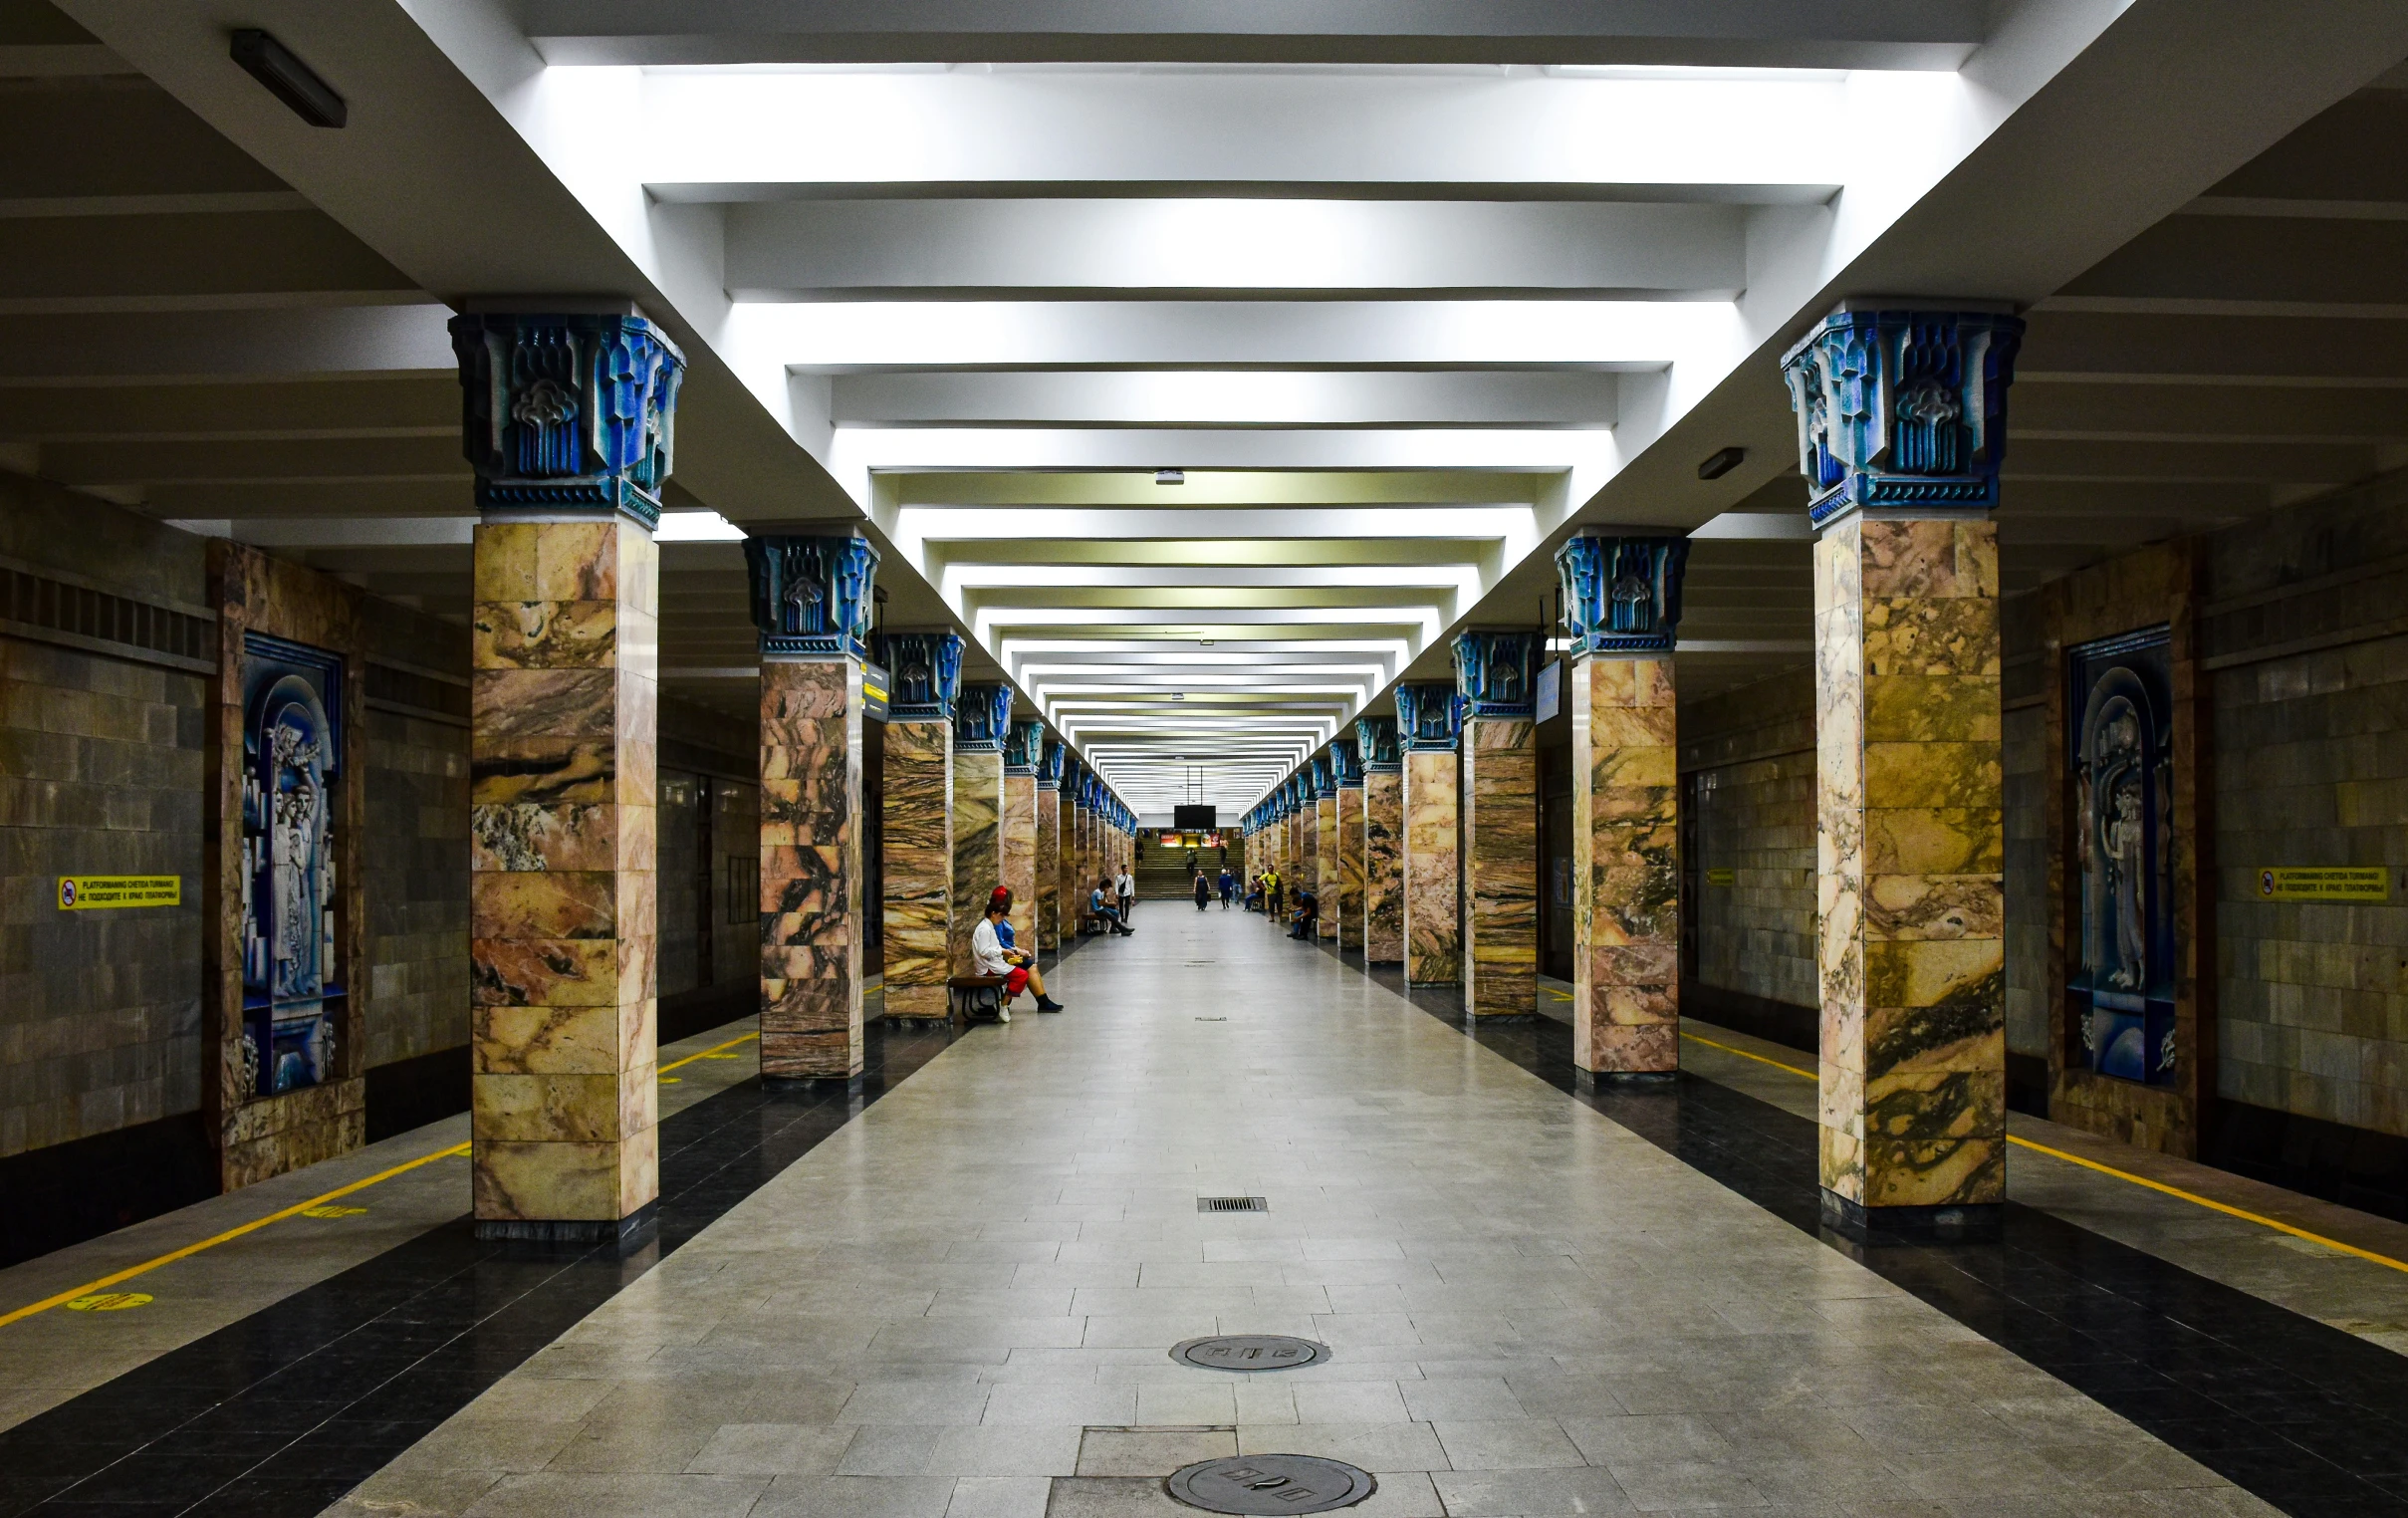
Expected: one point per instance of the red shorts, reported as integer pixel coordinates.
(1014, 981)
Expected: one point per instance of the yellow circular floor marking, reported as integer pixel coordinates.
(108, 1302)
(332, 1211)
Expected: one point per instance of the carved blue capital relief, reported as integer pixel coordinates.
(811, 596)
(1346, 764)
(1622, 595)
(984, 719)
(1495, 675)
(1375, 738)
(1048, 766)
(567, 415)
(923, 674)
(1023, 747)
(1429, 717)
(1902, 410)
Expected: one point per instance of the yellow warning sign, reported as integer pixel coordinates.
(1722, 876)
(93, 892)
(2336, 884)
(108, 1302)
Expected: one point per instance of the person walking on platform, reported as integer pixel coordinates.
(1229, 886)
(1126, 889)
(1203, 890)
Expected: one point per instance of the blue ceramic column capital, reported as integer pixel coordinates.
(1429, 717)
(1346, 764)
(567, 415)
(923, 674)
(811, 596)
(1375, 738)
(1622, 594)
(1048, 766)
(984, 720)
(1902, 412)
(1023, 747)
(1495, 675)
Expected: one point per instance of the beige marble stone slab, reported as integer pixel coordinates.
(1627, 867)
(978, 801)
(1433, 939)
(1500, 867)
(810, 869)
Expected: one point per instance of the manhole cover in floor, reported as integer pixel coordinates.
(1271, 1483)
(1251, 1351)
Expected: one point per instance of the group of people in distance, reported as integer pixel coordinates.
(1267, 893)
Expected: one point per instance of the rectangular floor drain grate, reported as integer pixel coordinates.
(1232, 1205)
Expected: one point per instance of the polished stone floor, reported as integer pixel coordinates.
(953, 1294)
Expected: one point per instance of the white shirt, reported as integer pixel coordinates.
(1124, 886)
(986, 950)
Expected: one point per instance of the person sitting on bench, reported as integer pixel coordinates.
(1099, 905)
(989, 956)
(1308, 909)
(1011, 949)
(1253, 895)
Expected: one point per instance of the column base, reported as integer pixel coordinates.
(631, 1231)
(1959, 1224)
(850, 1084)
(1623, 1080)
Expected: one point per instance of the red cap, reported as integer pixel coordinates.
(1001, 898)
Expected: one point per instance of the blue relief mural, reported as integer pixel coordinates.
(2121, 732)
(292, 992)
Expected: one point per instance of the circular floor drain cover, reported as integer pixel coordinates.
(1271, 1483)
(1251, 1351)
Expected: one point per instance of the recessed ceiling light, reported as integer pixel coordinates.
(1721, 463)
(286, 78)
(1170, 476)
(1203, 643)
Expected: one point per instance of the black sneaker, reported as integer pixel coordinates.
(1048, 1006)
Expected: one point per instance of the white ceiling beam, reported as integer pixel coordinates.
(772, 134)
(1095, 248)
(319, 340)
(1870, 34)
(1605, 336)
(1227, 397)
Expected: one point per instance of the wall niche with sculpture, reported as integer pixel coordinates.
(2121, 999)
(287, 1016)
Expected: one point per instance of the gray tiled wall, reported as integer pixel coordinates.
(1748, 767)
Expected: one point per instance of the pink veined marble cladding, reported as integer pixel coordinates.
(1501, 867)
(1433, 941)
(918, 869)
(1017, 839)
(1625, 868)
(1327, 886)
(1909, 848)
(563, 890)
(1383, 867)
(1048, 868)
(978, 801)
(810, 869)
(1351, 867)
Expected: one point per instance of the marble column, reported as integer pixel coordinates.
(979, 731)
(923, 672)
(1433, 938)
(565, 655)
(1326, 887)
(1382, 839)
(1621, 607)
(1049, 872)
(1023, 750)
(811, 599)
(1345, 766)
(1902, 422)
(1495, 671)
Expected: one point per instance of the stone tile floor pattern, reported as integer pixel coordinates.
(961, 1303)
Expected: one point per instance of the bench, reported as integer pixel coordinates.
(1092, 923)
(971, 996)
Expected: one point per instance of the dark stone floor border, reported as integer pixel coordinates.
(2305, 1416)
(281, 1413)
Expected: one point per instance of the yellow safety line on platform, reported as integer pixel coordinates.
(173, 1255)
(211, 1242)
(707, 1053)
(2143, 1181)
